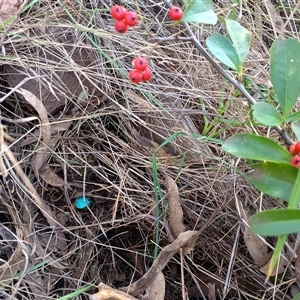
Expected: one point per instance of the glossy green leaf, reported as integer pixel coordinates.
(201, 11)
(285, 72)
(241, 39)
(266, 114)
(274, 179)
(222, 48)
(255, 147)
(276, 222)
(296, 128)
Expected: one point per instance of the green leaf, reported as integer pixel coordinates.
(293, 117)
(266, 114)
(276, 222)
(201, 11)
(241, 39)
(285, 72)
(255, 147)
(279, 223)
(222, 48)
(296, 128)
(296, 297)
(295, 197)
(274, 179)
(232, 53)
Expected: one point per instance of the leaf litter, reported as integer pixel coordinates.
(95, 135)
(40, 154)
(175, 210)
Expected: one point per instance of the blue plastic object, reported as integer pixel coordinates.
(82, 202)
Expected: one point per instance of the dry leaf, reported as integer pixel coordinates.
(50, 177)
(56, 129)
(276, 20)
(40, 251)
(211, 291)
(10, 268)
(52, 241)
(278, 270)
(137, 99)
(41, 154)
(297, 269)
(139, 263)
(161, 261)
(16, 251)
(176, 213)
(192, 242)
(162, 127)
(152, 146)
(107, 293)
(156, 290)
(256, 247)
(8, 8)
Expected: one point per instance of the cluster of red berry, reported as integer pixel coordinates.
(295, 150)
(141, 71)
(123, 18)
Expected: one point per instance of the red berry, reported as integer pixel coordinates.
(175, 13)
(135, 76)
(118, 12)
(147, 74)
(295, 148)
(292, 149)
(296, 161)
(131, 18)
(121, 26)
(140, 63)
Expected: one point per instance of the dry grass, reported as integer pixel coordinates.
(102, 145)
